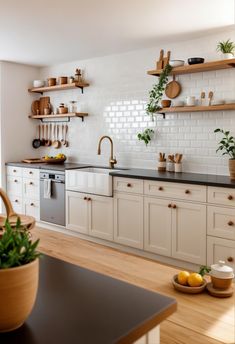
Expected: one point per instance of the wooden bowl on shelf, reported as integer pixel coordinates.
(54, 160)
(187, 289)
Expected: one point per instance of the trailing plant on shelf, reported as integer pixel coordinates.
(227, 147)
(146, 136)
(227, 48)
(155, 96)
(16, 247)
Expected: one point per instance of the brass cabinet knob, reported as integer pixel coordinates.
(160, 188)
(85, 198)
(230, 259)
(230, 223)
(169, 205)
(230, 197)
(129, 185)
(174, 206)
(187, 191)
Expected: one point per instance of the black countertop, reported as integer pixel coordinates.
(75, 305)
(186, 178)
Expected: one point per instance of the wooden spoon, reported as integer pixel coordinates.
(56, 142)
(43, 139)
(48, 135)
(66, 143)
(62, 134)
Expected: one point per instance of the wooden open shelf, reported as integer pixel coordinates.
(58, 87)
(198, 68)
(172, 109)
(66, 115)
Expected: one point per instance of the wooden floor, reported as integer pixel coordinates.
(200, 319)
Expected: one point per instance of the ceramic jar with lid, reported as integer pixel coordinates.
(221, 275)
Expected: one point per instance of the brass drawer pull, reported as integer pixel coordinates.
(174, 206)
(187, 191)
(230, 197)
(230, 259)
(129, 185)
(169, 205)
(160, 188)
(230, 223)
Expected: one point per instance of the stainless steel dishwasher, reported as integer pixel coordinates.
(52, 205)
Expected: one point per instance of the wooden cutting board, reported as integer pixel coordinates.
(43, 103)
(33, 161)
(173, 89)
(35, 107)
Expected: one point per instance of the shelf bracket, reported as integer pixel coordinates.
(163, 114)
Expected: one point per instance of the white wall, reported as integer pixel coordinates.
(116, 102)
(17, 130)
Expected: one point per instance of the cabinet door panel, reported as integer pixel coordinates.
(101, 217)
(220, 249)
(76, 212)
(221, 222)
(128, 220)
(14, 186)
(189, 232)
(31, 188)
(31, 208)
(157, 226)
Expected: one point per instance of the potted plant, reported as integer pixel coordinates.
(226, 48)
(227, 145)
(19, 271)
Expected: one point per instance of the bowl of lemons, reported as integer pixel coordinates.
(58, 159)
(189, 283)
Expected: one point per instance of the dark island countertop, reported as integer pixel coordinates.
(75, 305)
(186, 178)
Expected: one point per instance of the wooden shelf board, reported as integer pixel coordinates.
(223, 107)
(58, 87)
(198, 68)
(71, 114)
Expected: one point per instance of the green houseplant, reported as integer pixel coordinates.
(19, 271)
(153, 105)
(227, 147)
(226, 48)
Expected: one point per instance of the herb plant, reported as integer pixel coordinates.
(16, 247)
(146, 135)
(226, 47)
(204, 270)
(227, 144)
(155, 95)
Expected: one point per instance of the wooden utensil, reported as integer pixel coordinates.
(37, 142)
(44, 104)
(166, 59)
(66, 143)
(62, 134)
(35, 107)
(26, 221)
(210, 96)
(171, 157)
(43, 138)
(56, 142)
(159, 63)
(203, 100)
(48, 140)
(173, 89)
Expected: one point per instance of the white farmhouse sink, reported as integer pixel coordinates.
(92, 180)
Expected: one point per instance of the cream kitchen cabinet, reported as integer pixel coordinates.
(89, 214)
(157, 226)
(189, 232)
(128, 219)
(220, 249)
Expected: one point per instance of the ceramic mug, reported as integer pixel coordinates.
(190, 101)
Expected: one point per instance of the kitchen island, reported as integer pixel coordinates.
(76, 305)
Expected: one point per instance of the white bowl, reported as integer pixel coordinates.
(38, 83)
(176, 63)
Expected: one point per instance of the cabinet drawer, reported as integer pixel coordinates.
(223, 196)
(31, 188)
(221, 222)
(32, 173)
(31, 208)
(14, 171)
(14, 185)
(17, 204)
(175, 190)
(220, 249)
(130, 185)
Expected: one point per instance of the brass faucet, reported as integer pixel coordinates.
(112, 160)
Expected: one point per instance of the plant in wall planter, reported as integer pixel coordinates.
(155, 96)
(227, 49)
(227, 147)
(19, 271)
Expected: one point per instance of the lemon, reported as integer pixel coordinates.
(183, 277)
(195, 280)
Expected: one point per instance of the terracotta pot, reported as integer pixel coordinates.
(166, 103)
(232, 168)
(63, 80)
(221, 283)
(51, 81)
(62, 110)
(18, 290)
